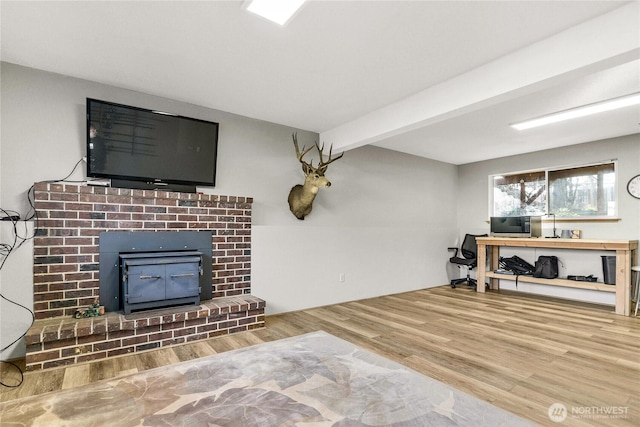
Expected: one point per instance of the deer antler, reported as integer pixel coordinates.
(305, 166)
(322, 165)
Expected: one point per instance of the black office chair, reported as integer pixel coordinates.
(469, 251)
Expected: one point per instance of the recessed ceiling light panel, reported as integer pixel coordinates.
(278, 11)
(586, 110)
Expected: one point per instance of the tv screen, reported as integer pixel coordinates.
(142, 148)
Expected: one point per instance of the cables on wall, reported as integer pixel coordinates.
(19, 237)
(7, 249)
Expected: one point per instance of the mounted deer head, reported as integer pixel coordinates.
(301, 196)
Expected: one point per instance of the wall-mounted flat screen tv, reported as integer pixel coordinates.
(139, 148)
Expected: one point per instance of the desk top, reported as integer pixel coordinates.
(532, 242)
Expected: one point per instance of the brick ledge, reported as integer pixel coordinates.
(66, 340)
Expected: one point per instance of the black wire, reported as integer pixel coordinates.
(7, 249)
(21, 376)
(70, 173)
(33, 319)
(31, 190)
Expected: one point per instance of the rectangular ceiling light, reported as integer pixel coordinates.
(278, 11)
(599, 107)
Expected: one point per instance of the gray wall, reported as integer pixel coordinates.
(385, 223)
(473, 192)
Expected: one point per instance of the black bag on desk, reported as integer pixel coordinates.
(546, 267)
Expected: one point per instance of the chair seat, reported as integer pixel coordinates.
(463, 261)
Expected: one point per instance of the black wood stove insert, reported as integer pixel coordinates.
(158, 279)
(143, 270)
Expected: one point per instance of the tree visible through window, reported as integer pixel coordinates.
(519, 194)
(583, 192)
(587, 191)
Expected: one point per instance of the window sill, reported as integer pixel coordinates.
(585, 219)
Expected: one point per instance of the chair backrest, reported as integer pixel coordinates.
(469, 246)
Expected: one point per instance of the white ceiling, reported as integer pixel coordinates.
(438, 79)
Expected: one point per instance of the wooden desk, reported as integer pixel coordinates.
(626, 256)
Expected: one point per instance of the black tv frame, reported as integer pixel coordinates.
(148, 182)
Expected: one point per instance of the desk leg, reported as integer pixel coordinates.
(494, 264)
(482, 267)
(623, 283)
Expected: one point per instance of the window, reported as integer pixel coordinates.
(578, 192)
(519, 194)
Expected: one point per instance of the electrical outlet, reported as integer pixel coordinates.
(341, 277)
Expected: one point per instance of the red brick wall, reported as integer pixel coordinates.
(71, 217)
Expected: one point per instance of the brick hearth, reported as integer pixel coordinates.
(66, 261)
(65, 340)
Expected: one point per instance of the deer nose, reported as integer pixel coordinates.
(328, 183)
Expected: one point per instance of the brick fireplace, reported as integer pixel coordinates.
(66, 271)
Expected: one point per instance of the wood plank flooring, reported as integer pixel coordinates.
(518, 352)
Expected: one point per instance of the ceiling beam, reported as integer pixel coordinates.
(601, 43)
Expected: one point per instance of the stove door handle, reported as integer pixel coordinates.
(173, 276)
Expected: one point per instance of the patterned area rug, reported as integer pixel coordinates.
(311, 380)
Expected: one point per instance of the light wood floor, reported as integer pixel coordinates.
(520, 353)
